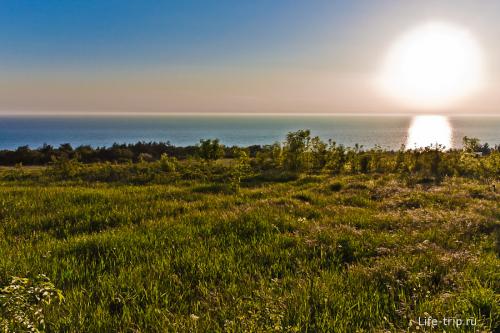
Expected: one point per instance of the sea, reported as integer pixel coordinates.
(386, 131)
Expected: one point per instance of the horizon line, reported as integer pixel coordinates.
(226, 114)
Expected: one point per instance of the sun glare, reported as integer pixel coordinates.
(432, 66)
(426, 131)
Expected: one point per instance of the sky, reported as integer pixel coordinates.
(260, 56)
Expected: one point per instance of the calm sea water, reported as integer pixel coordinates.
(386, 131)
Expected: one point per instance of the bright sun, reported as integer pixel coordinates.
(432, 66)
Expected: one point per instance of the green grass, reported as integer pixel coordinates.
(286, 253)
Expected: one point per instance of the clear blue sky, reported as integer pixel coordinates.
(107, 32)
(205, 55)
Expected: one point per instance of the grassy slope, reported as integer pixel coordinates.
(304, 255)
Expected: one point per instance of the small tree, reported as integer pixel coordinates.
(210, 150)
(168, 164)
(64, 167)
(336, 157)
(240, 170)
(297, 155)
(471, 145)
(364, 163)
(319, 152)
(270, 157)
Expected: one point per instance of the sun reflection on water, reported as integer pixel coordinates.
(425, 131)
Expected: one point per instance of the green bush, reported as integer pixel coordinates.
(23, 302)
(168, 164)
(210, 150)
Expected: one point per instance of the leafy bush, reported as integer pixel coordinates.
(22, 303)
(211, 150)
(240, 170)
(297, 154)
(65, 168)
(168, 164)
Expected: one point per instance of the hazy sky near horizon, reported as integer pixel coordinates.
(220, 56)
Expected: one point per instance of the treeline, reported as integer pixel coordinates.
(300, 153)
(308, 152)
(117, 153)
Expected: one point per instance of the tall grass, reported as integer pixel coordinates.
(308, 253)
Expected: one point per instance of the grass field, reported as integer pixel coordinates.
(309, 254)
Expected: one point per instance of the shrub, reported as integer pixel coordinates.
(335, 187)
(240, 170)
(210, 150)
(168, 164)
(22, 303)
(336, 157)
(297, 157)
(269, 157)
(65, 168)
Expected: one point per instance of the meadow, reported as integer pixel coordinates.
(296, 239)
